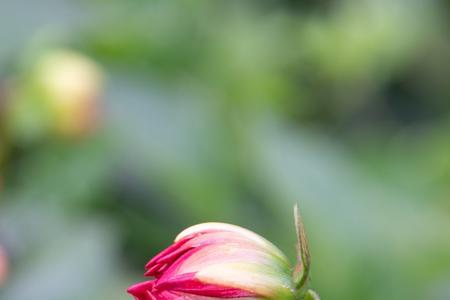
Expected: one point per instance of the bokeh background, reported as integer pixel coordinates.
(122, 122)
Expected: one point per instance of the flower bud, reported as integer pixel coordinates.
(3, 266)
(70, 85)
(220, 261)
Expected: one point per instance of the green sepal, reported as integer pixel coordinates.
(301, 273)
(311, 295)
(302, 268)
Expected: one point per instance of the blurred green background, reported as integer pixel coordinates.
(123, 122)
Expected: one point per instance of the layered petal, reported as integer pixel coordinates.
(142, 290)
(215, 260)
(238, 231)
(242, 266)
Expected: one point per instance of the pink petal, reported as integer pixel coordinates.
(187, 283)
(223, 227)
(159, 263)
(141, 291)
(162, 261)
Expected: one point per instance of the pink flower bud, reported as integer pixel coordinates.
(3, 266)
(216, 260)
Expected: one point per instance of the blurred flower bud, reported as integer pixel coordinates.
(3, 265)
(59, 93)
(70, 85)
(217, 260)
